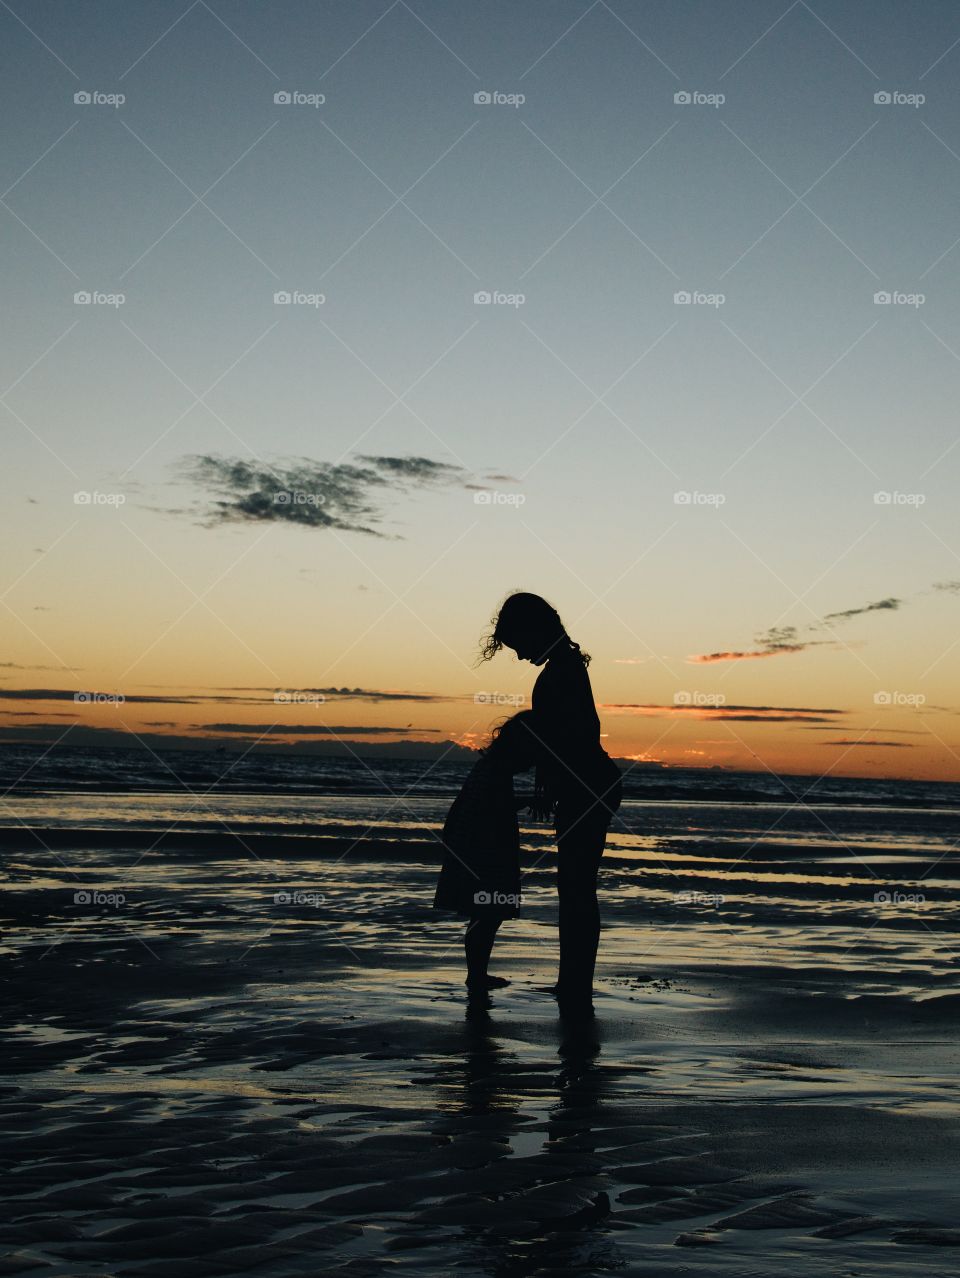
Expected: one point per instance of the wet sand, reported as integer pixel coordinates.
(203, 1079)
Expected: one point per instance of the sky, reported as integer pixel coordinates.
(330, 325)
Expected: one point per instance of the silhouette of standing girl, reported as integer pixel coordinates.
(576, 782)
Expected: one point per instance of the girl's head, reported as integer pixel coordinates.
(513, 743)
(531, 627)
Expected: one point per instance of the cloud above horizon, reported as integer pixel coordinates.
(743, 714)
(353, 694)
(310, 729)
(277, 696)
(780, 641)
(906, 732)
(349, 496)
(51, 736)
(774, 643)
(882, 605)
(15, 665)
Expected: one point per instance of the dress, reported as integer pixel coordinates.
(480, 874)
(576, 771)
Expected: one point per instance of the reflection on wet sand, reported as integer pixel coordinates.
(205, 1079)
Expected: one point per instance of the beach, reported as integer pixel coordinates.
(237, 1040)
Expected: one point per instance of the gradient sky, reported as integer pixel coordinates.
(578, 415)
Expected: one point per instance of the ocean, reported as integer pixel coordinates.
(689, 848)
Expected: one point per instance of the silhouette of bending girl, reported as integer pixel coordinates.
(577, 783)
(480, 874)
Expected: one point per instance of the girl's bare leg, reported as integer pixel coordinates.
(478, 943)
(580, 842)
(579, 861)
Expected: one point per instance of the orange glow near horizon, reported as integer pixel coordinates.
(272, 655)
(800, 740)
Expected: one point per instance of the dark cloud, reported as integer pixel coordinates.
(81, 736)
(770, 718)
(36, 714)
(842, 741)
(15, 665)
(779, 637)
(71, 694)
(906, 732)
(308, 729)
(782, 640)
(882, 605)
(273, 696)
(350, 694)
(313, 494)
(420, 470)
(742, 714)
(775, 642)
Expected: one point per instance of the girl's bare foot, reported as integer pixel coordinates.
(486, 982)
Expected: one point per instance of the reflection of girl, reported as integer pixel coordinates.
(577, 781)
(480, 875)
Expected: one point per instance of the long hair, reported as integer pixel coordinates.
(524, 611)
(514, 733)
